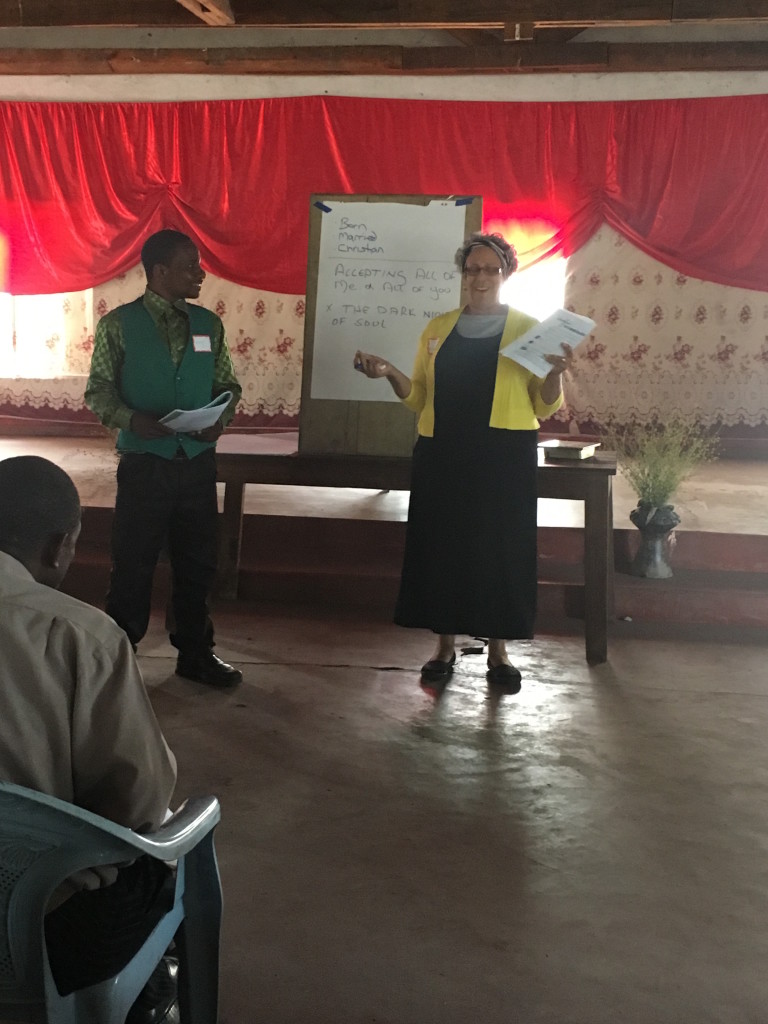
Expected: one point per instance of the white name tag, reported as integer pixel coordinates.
(201, 342)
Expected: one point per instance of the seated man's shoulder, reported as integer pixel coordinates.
(82, 617)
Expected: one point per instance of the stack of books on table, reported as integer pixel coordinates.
(568, 450)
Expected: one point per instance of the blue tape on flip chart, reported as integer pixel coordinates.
(465, 201)
(323, 207)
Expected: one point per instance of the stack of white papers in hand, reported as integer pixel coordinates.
(546, 339)
(187, 421)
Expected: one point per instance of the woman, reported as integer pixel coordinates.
(470, 554)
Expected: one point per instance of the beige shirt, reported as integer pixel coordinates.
(75, 718)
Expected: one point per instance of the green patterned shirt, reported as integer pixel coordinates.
(102, 392)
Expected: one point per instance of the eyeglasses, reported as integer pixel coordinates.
(476, 271)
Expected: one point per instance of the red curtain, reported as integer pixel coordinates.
(83, 184)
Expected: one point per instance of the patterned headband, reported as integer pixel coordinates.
(491, 245)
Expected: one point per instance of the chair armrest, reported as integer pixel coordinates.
(93, 840)
(183, 830)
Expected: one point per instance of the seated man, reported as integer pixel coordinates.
(76, 723)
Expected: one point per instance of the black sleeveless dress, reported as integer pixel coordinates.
(470, 554)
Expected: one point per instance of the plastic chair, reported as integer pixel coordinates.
(42, 842)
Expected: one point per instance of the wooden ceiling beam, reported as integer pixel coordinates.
(518, 57)
(514, 31)
(688, 56)
(719, 10)
(241, 60)
(212, 12)
(522, 57)
(555, 35)
(476, 36)
(94, 13)
(351, 14)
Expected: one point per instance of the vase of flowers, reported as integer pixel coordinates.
(655, 524)
(655, 458)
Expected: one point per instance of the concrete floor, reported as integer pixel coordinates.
(591, 851)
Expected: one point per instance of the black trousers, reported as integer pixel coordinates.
(169, 502)
(95, 933)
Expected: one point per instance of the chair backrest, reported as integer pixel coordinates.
(43, 841)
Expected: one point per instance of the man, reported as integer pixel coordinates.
(76, 723)
(151, 356)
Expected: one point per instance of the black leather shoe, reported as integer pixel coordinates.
(207, 668)
(157, 1002)
(507, 677)
(437, 671)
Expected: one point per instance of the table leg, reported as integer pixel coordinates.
(230, 539)
(610, 554)
(598, 568)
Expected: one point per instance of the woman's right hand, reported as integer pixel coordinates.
(372, 366)
(376, 367)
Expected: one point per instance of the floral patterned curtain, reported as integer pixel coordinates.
(664, 342)
(265, 332)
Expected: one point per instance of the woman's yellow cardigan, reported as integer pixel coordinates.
(517, 402)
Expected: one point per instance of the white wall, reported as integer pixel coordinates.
(490, 88)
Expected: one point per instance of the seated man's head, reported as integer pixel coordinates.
(39, 516)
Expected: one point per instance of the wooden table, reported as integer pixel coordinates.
(260, 460)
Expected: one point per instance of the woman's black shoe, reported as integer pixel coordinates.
(505, 676)
(437, 671)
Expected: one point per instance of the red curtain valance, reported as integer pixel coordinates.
(83, 184)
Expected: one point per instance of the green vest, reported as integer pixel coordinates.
(150, 382)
